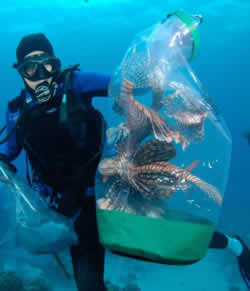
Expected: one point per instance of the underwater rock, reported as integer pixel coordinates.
(9, 281)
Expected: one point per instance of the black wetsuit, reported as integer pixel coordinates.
(64, 159)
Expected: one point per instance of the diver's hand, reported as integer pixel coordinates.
(127, 88)
(121, 102)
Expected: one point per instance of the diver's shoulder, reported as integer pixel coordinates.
(15, 103)
(82, 79)
(90, 82)
(87, 76)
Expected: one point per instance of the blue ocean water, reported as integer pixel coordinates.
(97, 33)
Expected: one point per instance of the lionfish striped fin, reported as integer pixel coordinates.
(154, 151)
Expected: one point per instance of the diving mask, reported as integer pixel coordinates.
(39, 67)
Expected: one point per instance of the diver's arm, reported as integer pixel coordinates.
(91, 84)
(10, 149)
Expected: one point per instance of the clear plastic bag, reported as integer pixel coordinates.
(37, 228)
(163, 190)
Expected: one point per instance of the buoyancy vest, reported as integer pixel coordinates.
(65, 153)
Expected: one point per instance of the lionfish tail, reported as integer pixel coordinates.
(193, 165)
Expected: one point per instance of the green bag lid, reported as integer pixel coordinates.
(189, 21)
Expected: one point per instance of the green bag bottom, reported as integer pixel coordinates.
(179, 238)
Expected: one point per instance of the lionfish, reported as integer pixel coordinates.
(142, 121)
(144, 169)
(149, 173)
(186, 110)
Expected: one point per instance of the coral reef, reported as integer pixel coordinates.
(10, 281)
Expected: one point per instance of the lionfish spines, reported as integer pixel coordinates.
(153, 151)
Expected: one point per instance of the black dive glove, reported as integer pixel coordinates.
(9, 166)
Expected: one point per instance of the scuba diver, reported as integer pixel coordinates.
(63, 136)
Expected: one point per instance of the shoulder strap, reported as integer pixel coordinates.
(67, 90)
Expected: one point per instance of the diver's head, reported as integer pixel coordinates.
(38, 66)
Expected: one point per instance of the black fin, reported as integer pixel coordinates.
(154, 151)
